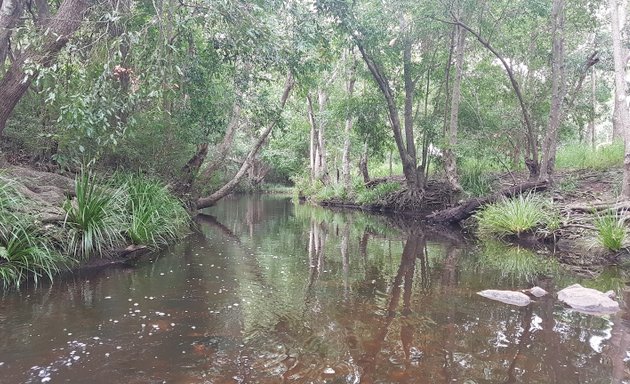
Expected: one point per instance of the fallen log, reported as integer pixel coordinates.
(467, 208)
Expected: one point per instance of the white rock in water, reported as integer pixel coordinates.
(507, 297)
(536, 291)
(329, 371)
(587, 300)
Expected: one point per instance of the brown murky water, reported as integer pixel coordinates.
(269, 292)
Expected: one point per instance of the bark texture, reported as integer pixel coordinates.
(616, 13)
(557, 91)
(345, 161)
(450, 161)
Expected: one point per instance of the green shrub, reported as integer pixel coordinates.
(377, 194)
(154, 216)
(611, 231)
(94, 219)
(513, 216)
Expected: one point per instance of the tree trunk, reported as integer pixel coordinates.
(450, 161)
(409, 162)
(557, 91)
(322, 168)
(191, 168)
(531, 159)
(620, 92)
(591, 122)
(226, 145)
(225, 190)
(363, 164)
(60, 28)
(10, 14)
(348, 131)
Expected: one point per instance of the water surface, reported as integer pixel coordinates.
(270, 292)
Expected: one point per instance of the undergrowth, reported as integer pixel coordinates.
(24, 250)
(514, 216)
(611, 230)
(582, 156)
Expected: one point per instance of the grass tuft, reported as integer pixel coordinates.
(611, 231)
(513, 216)
(94, 219)
(155, 217)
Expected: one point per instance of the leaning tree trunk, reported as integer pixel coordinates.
(408, 159)
(557, 91)
(221, 152)
(225, 190)
(620, 92)
(60, 28)
(532, 159)
(450, 161)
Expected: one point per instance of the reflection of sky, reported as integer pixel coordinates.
(596, 341)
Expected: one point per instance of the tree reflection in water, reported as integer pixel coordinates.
(268, 292)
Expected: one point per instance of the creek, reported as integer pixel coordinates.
(266, 291)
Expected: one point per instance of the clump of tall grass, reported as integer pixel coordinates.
(154, 216)
(513, 216)
(95, 218)
(24, 251)
(611, 231)
(377, 194)
(330, 192)
(582, 156)
(476, 176)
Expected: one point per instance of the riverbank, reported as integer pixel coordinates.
(51, 223)
(577, 202)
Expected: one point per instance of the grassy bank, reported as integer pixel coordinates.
(104, 216)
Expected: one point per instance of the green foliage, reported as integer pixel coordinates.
(377, 194)
(475, 176)
(154, 216)
(611, 231)
(582, 156)
(513, 216)
(330, 192)
(95, 218)
(24, 251)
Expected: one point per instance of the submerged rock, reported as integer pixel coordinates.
(507, 297)
(536, 291)
(588, 300)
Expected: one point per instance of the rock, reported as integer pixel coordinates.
(588, 300)
(507, 297)
(536, 291)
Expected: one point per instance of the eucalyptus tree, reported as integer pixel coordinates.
(519, 40)
(398, 44)
(617, 14)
